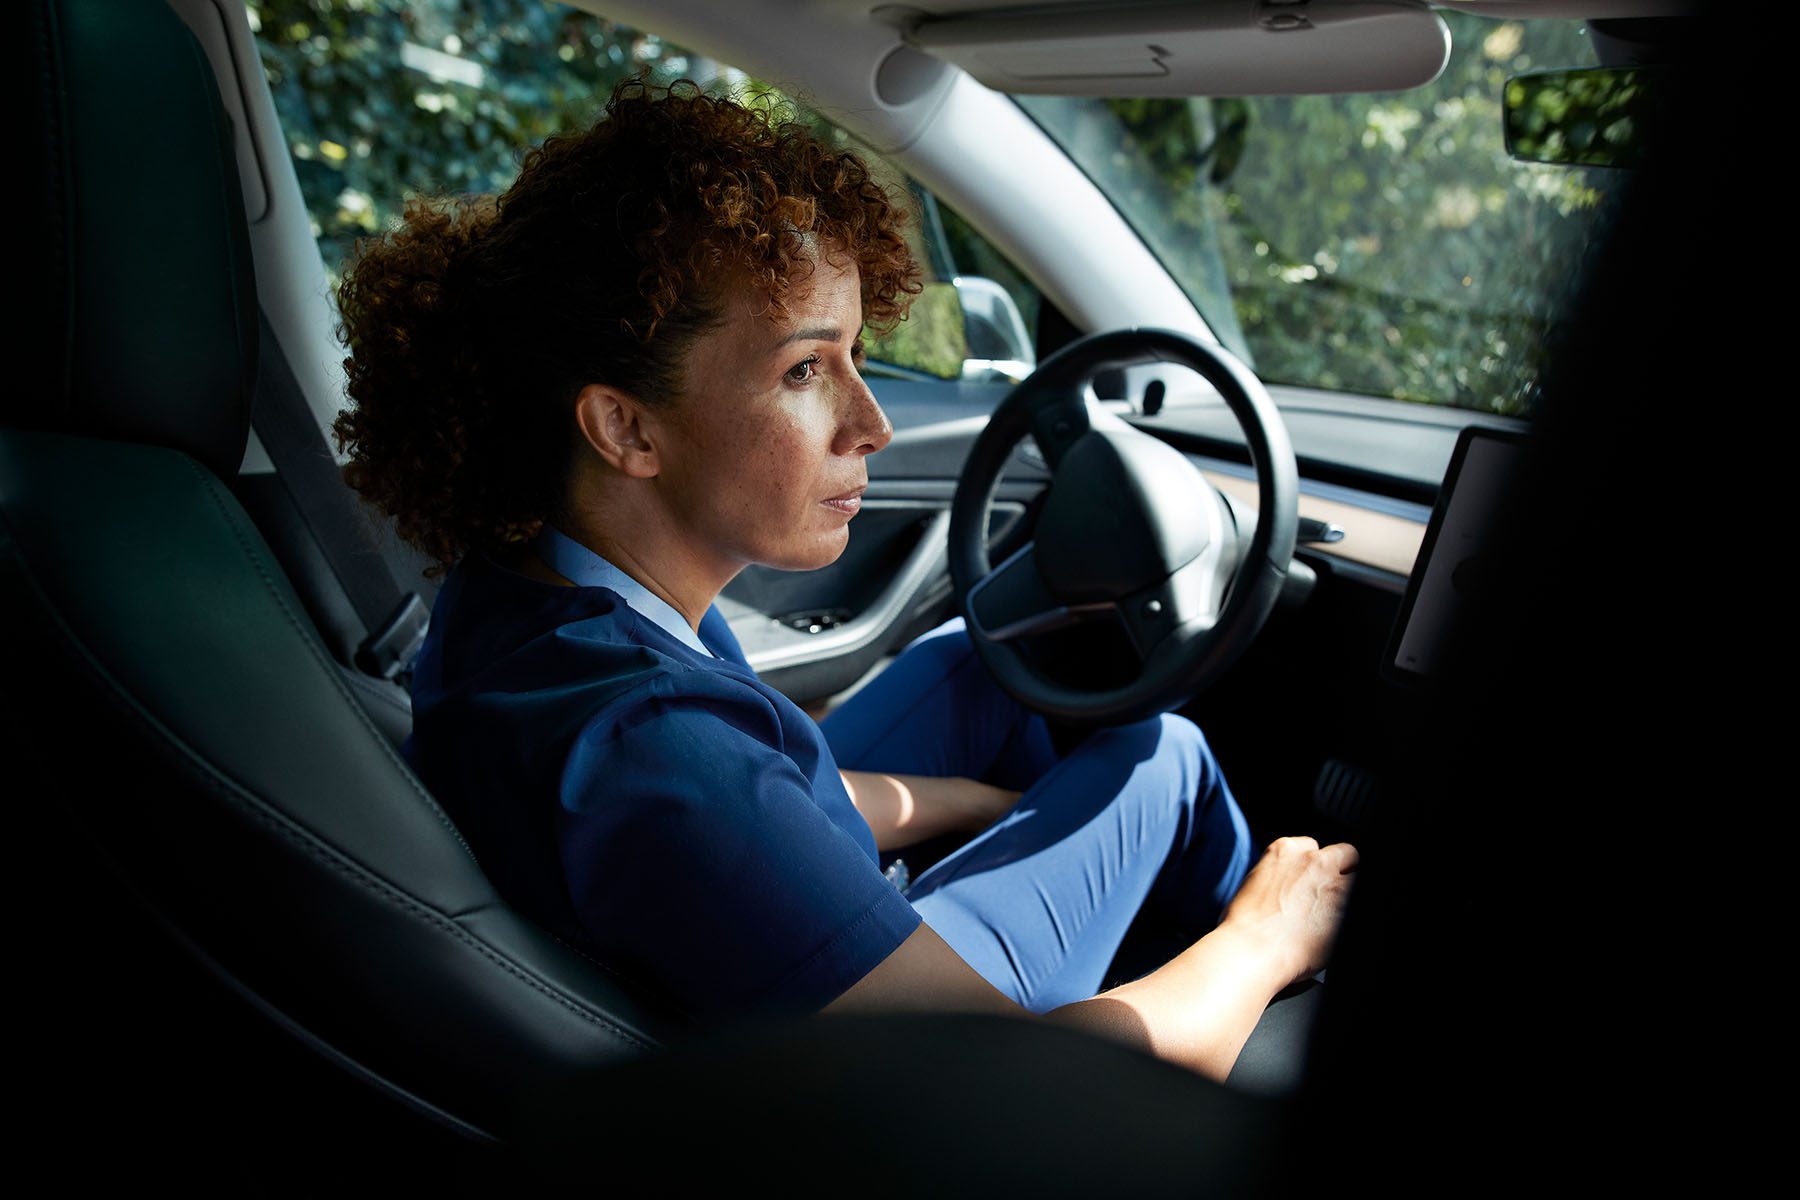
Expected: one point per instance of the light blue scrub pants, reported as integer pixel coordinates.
(1135, 817)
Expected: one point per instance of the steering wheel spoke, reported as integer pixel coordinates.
(1187, 604)
(1012, 601)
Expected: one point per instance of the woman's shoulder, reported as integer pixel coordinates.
(493, 627)
(681, 702)
(501, 632)
(553, 662)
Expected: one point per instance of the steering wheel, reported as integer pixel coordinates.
(1129, 532)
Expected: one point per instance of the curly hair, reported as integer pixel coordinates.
(473, 326)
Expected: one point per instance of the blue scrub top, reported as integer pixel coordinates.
(647, 799)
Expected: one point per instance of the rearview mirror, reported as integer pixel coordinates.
(1594, 117)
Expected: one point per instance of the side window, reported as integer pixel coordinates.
(972, 255)
(382, 98)
(994, 304)
(974, 318)
(379, 99)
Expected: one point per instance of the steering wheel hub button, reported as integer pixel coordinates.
(1121, 515)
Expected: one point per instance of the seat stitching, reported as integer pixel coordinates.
(284, 826)
(216, 491)
(281, 823)
(375, 692)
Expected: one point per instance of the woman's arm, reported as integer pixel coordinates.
(1199, 1008)
(903, 810)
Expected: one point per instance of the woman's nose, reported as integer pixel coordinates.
(866, 428)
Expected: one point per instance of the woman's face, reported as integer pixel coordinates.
(762, 454)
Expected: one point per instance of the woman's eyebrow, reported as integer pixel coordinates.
(822, 333)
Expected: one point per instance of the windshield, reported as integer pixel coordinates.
(1383, 244)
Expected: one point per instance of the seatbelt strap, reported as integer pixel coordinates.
(394, 618)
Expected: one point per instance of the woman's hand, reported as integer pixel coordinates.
(1293, 901)
(1199, 1008)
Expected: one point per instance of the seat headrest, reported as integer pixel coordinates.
(139, 305)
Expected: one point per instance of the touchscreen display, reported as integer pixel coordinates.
(1454, 556)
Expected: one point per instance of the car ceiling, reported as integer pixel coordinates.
(870, 66)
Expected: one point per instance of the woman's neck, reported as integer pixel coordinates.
(655, 556)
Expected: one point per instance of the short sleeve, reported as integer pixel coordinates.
(696, 854)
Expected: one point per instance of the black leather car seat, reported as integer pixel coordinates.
(221, 762)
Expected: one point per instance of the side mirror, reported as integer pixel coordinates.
(1594, 117)
(999, 348)
(968, 329)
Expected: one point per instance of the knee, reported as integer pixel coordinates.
(1171, 733)
(1181, 736)
(1180, 741)
(1214, 812)
(1173, 744)
(1187, 754)
(1207, 811)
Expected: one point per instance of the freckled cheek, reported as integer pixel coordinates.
(795, 455)
(768, 467)
(736, 459)
(760, 487)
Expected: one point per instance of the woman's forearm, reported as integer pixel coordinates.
(905, 809)
(1198, 1009)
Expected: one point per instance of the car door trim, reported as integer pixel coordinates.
(926, 562)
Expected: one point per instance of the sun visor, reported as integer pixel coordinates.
(1204, 48)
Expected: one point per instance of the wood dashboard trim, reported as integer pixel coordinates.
(1374, 539)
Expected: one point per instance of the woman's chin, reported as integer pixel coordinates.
(820, 552)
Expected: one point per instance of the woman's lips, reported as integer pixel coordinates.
(850, 502)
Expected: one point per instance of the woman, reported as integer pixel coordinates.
(596, 400)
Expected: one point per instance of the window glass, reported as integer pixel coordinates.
(1384, 243)
(380, 99)
(975, 318)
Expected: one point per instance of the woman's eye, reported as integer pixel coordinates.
(803, 371)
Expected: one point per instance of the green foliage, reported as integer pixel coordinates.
(975, 255)
(1592, 117)
(380, 99)
(1381, 243)
(931, 339)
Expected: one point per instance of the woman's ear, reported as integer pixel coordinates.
(614, 424)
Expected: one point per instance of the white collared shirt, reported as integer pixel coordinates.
(584, 568)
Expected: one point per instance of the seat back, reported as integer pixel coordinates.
(165, 694)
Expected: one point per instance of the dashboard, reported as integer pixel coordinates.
(1367, 471)
(816, 634)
